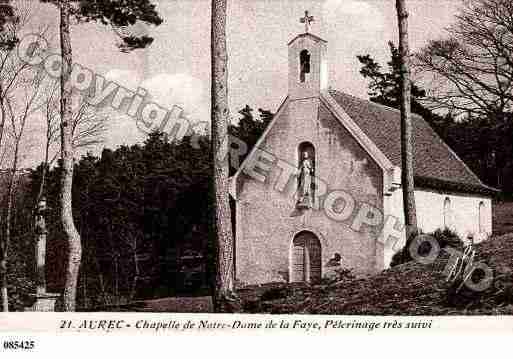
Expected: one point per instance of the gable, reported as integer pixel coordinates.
(435, 164)
(307, 127)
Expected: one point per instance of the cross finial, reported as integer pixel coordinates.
(307, 20)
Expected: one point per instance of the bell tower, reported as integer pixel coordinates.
(308, 68)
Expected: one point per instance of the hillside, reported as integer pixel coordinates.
(502, 217)
(408, 289)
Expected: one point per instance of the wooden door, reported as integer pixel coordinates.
(314, 260)
(306, 259)
(297, 272)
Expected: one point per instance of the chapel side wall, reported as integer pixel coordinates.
(267, 219)
(463, 217)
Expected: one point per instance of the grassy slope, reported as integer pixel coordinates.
(409, 289)
(503, 217)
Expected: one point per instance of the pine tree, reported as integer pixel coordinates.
(410, 214)
(222, 217)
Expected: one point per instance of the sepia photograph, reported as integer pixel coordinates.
(316, 166)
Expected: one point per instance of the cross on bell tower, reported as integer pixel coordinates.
(307, 20)
(308, 66)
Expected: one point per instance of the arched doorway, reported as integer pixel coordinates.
(305, 260)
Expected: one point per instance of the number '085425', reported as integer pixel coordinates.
(18, 344)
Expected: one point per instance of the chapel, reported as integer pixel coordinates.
(321, 190)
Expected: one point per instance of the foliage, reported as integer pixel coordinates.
(20, 272)
(403, 256)
(249, 129)
(8, 17)
(444, 237)
(385, 86)
(447, 237)
(338, 275)
(275, 293)
(138, 209)
(471, 67)
(343, 274)
(118, 13)
(6, 12)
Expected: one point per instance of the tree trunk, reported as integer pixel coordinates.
(2, 112)
(3, 242)
(222, 217)
(410, 215)
(70, 232)
(3, 285)
(3, 276)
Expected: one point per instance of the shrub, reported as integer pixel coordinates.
(444, 237)
(403, 256)
(343, 274)
(338, 275)
(252, 306)
(397, 259)
(276, 293)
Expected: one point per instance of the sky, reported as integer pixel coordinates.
(175, 69)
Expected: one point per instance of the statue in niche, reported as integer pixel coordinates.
(306, 173)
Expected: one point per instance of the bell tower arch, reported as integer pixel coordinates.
(308, 68)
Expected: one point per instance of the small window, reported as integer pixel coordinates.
(304, 65)
(447, 213)
(482, 218)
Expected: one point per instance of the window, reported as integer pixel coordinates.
(447, 213)
(482, 217)
(304, 65)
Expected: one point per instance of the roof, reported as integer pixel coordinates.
(435, 164)
(307, 34)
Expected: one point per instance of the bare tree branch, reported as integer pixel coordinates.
(471, 71)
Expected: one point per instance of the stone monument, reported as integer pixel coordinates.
(42, 300)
